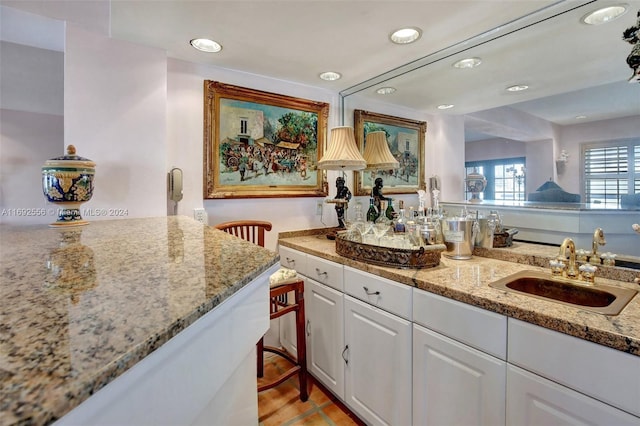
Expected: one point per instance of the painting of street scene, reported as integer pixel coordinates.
(262, 144)
(267, 145)
(406, 143)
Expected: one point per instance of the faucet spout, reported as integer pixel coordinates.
(598, 239)
(572, 270)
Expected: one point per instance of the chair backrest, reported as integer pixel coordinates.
(250, 230)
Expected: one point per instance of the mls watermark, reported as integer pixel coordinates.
(42, 212)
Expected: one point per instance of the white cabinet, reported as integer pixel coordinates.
(533, 401)
(357, 349)
(378, 369)
(325, 335)
(459, 367)
(454, 384)
(604, 374)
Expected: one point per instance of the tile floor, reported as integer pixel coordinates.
(282, 406)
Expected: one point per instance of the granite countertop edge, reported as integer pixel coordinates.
(117, 367)
(504, 303)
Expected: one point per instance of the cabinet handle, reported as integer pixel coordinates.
(290, 261)
(321, 273)
(307, 328)
(345, 350)
(371, 293)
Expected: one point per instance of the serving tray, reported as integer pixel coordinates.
(424, 257)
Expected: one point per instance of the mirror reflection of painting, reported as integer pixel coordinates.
(266, 145)
(403, 144)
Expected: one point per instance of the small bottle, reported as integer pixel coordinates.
(372, 213)
(400, 225)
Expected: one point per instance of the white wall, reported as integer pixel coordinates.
(115, 114)
(31, 127)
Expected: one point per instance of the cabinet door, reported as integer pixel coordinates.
(378, 367)
(533, 400)
(454, 384)
(325, 335)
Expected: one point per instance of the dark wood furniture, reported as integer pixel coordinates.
(279, 305)
(250, 230)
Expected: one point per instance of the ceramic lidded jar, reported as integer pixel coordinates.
(67, 182)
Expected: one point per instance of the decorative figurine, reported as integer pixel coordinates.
(377, 195)
(343, 195)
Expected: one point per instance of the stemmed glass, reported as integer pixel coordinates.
(380, 228)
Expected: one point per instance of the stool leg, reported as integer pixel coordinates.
(302, 347)
(260, 357)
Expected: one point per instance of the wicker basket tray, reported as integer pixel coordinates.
(424, 257)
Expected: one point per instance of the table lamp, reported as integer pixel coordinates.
(342, 154)
(378, 157)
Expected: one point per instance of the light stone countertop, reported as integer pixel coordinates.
(468, 281)
(81, 305)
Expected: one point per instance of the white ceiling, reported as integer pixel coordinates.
(296, 40)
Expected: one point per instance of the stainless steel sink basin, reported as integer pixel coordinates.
(603, 299)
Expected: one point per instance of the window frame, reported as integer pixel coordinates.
(632, 175)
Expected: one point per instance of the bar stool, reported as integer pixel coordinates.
(279, 306)
(254, 231)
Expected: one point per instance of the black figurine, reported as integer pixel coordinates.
(342, 193)
(377, 194)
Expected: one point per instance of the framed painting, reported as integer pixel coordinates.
(260, 144)
(406, 142)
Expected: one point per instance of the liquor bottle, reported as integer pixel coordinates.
(372, 213)
(389, 212)
(400, 225)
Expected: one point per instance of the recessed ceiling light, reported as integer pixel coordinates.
(517, 88)
(604, 15)
(405, 35)
(580, 117)
(445, 106)
(206, 45)
(330, 76)
(385, 90)
(468, 63)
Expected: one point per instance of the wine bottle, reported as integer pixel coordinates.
(372, 213)
(390, 212)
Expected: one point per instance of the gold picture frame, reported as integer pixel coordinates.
(259, 144)
(406, 140)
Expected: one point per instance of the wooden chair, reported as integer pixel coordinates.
(254, 231)
(250, 230)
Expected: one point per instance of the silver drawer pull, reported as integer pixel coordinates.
(308, 328)
(290, 261)
(346, 360)
(370, 293)
(321, 273)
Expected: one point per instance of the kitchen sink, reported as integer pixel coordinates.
(603, 299)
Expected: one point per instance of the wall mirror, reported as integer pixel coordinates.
(576, 73)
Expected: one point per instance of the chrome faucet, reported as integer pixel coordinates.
(598, 239)
(572, 271)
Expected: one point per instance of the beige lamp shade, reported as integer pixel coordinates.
(377, 153)
(342, 154)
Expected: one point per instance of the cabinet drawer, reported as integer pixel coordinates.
(293, 259)
(534, 401)
(483, 330)
(606, 374)
(381, 292)
(325, 272)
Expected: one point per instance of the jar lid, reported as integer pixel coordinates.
(71, 159)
